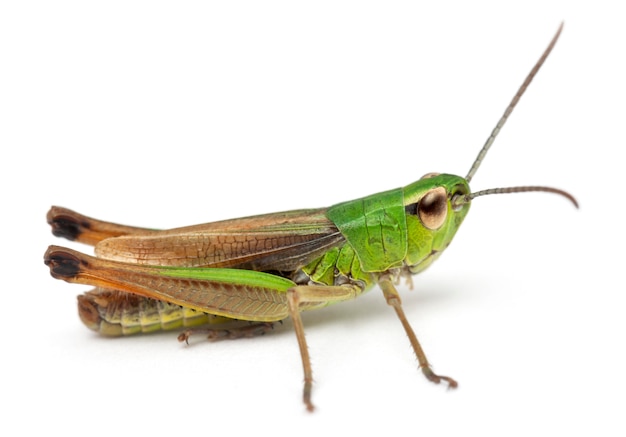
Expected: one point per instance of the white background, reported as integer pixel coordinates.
(165, 114)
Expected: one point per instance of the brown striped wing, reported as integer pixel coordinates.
(280, 241)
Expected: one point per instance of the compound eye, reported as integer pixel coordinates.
(432, 209)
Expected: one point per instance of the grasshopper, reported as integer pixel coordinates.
(237, 277)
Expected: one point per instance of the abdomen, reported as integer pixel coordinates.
(115, 313)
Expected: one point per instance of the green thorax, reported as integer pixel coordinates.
(375, 226)
(386, 230)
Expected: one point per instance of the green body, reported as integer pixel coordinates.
(347, 246)
(383, 233)
(350, 244)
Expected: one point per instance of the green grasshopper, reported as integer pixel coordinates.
(239, 276)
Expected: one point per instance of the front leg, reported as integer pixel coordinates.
(393, 299)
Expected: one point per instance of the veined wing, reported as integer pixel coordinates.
(280, 241)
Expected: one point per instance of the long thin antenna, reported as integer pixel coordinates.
(509, 109)
(523, 189)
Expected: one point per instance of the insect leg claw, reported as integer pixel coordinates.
(431, 376)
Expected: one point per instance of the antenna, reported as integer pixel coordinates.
(509, 109)
(461, 199)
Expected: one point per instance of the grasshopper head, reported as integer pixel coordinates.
(435, 208)
(437, 204)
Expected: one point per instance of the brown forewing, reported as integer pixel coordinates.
(280, 241)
